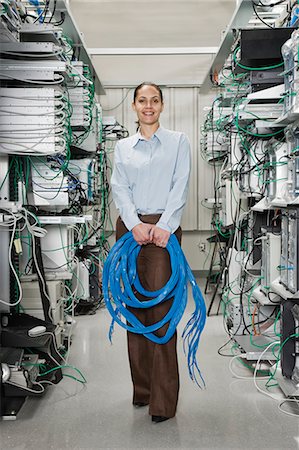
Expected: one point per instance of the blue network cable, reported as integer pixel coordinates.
(120, 277)
(89, 180)
(38, 9)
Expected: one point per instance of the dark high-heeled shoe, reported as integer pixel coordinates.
(158, 419)
(140, 404)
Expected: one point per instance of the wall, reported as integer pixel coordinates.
(182, 112)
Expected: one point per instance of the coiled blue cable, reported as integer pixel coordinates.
(120, 277)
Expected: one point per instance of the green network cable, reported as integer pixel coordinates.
(67, 366)
(278, 356)
(254, 68)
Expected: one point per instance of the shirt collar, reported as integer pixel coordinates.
(138, 136)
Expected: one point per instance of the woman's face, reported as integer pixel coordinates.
(148, 105)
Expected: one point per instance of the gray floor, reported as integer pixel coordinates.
(229, 414)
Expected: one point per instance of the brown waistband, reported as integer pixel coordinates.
(146, 218)
(149, 218)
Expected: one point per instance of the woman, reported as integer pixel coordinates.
(149, 185)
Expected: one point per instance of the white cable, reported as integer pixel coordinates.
(242, 355)
(47, 382)
(256, 369)
(11, 264)
(58, 96)
(295, 201)
(57, 150)
(71, 297)
(243, 264)
(58, 81)
(37, 232)
(58, 124)
(54, 343)
(29, 134)
(32, 55)
(73, 314)
(273, 397)
(12, 112)
(74, 293)
(287, 412)
(221, 171)
(243, 261)
(30, 149)
(27, 388)
(13, 17)
(30, 138)
(82, 77)
(53, 359)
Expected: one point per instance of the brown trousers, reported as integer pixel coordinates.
(154, 367)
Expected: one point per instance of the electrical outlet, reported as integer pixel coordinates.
(202, 246)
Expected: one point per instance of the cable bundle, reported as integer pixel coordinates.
(120, 277)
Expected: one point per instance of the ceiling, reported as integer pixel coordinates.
(154, 24)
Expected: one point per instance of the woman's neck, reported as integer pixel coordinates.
(148, 130)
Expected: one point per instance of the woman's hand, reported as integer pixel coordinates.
(159, 237)
(141, 233)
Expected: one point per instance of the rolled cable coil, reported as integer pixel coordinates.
(120, 281)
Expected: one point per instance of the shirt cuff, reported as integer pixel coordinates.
(131, 222)
(164, 226)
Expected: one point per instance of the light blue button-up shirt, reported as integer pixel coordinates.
(151, 177)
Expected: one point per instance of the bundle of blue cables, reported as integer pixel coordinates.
(120, 281)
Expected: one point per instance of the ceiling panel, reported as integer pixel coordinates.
(153, 24)
(179, 24)
(164, 70)
(151, 1)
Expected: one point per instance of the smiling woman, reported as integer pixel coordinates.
(149, 185)
(148, 104)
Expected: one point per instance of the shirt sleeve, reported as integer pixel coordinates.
(171, 217)
(122, 193)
